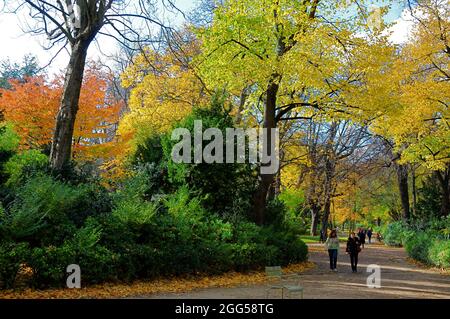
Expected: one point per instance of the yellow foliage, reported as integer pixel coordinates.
(164, 89)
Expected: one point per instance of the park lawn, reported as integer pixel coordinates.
(315, 239)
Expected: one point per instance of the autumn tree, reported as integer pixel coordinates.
(405, 96)
(163, 88)
(32, 107)
(292, 53)
(77, 24)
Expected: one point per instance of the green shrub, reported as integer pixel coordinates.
(137, 211)
(292, 250)
(46, 212)
(417, 246)
(224, 189)
(98, 264)
(275, 214)
(245, 232)
(15, 167)
(12, 257)
(393, 235)
(248, 256)
(49, 265)
(9, 143)
(439, 253)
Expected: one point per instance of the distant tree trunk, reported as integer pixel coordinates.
(414, 190)
(402, 178)
(266, 180)
(243, 99)
(275, 190)
(326, 216)
(330, 167)
(315, 214)
(444, 182)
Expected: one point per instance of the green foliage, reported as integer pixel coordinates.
(417, 246)
(15, 167)
(439, 253)
(275, 213)
(279, 216)
(9, 143)
(134, 234)
(134, 211)
(430, 197)
(291, 248)
(9, 140)
(96, 262)
(393, 234)
(225, 189)
(46, 211)
(293, 199)
(12, 257)
(148, 149)
(14, 71)
(425, 241)
(49, 265)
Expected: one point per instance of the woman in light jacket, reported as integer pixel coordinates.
(332, 244)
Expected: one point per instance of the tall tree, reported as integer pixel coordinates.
(294, 52)
(406, 95)
(77, 23)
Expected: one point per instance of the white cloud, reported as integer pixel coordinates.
(402, 28)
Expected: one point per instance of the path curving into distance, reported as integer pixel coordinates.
(399, 279)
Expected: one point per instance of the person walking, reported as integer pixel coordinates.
(353, 249)
(362, 237)
(332, 245)
(322, 236)
(369, 235)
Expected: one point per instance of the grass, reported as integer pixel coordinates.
(310, 239)
(315, 239)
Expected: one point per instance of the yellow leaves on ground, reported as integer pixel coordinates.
(159, 286)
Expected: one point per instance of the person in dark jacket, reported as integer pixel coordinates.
(322, 236)
(362, 236)
(369, 235)
(353, 249)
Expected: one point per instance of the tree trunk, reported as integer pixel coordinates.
(402, 178)
(315, 213)
(444, 182)
(243, 99)
(414, 191)
(330, 167)
(266, 181)
(60, 153)
(326, 216)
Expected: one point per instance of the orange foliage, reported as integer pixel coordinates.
(32, 107)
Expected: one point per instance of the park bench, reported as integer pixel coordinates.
(280, 281)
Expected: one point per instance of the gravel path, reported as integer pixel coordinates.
(399, 279)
